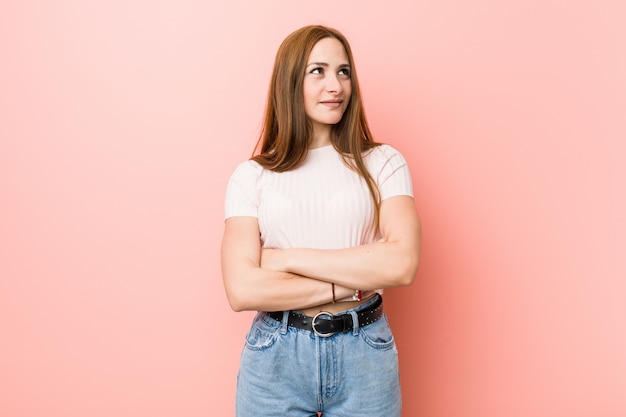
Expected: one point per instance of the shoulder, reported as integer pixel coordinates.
(242, 192)
(247, 171)
(249, 166)
(384, 154)
(383, 151)
(390, 171)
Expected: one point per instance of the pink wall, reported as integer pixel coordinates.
(120, 122)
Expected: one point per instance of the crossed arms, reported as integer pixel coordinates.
(298, 278)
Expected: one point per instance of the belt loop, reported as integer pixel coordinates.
(285, 322)
(355, 322)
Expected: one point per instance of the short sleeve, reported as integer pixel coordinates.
(242, 192)
(390, 171)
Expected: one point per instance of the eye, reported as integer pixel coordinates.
(345, 72)
(317, 70)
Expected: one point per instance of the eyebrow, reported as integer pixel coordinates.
(324, 64)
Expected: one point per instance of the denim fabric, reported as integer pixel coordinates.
(289, 372)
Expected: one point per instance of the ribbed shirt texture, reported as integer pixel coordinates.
(322, 203)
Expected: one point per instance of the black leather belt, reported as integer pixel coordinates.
(326, 324)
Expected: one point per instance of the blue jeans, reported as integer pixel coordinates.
(290, 372)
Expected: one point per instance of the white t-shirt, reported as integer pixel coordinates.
(322, 203)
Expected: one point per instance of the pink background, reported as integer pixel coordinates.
(120, 122)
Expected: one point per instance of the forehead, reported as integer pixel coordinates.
(328, 50)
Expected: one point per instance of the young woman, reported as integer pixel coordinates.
(318, 222)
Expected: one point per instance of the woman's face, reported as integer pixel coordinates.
(327, 85)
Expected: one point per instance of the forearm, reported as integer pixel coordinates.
(366, 267)
(255, 288)
(250, 285)
(390, 262)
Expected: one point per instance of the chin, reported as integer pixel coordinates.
(333, 120)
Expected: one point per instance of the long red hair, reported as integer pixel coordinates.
(286, 131)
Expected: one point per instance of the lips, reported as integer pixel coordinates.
(332, 103)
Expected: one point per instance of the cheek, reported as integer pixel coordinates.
(309, 101)
(348, 91)
(308, 93)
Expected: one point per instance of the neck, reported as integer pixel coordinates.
(320, 137)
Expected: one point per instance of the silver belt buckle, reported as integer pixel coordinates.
(321, 313)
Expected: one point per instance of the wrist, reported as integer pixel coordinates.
(343, 293)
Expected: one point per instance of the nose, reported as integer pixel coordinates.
(333, 84)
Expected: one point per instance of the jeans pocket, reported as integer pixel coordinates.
(378, 334)
(263, 332)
